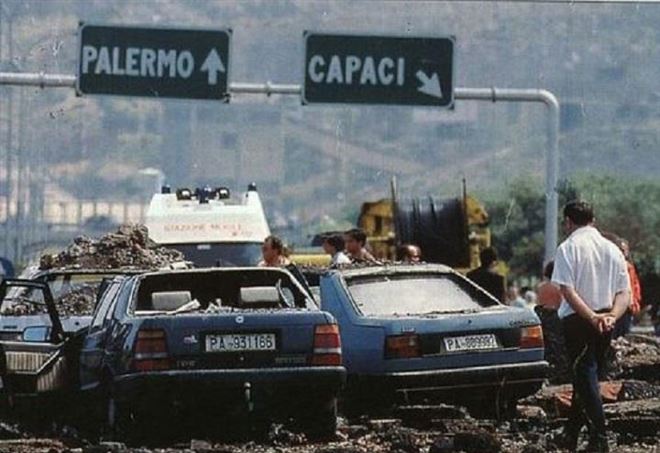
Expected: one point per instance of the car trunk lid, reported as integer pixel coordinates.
(240, 339)
(445, 340)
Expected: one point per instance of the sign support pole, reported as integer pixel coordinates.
(552, 148)
(473, 94)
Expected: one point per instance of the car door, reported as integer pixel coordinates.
(91, 354)
(35, 362)
(300, 278)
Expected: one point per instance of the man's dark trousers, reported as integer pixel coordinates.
(587, 349)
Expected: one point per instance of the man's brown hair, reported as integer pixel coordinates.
(580, 212)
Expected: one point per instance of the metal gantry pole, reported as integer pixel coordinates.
(474, 94)
(552, 147)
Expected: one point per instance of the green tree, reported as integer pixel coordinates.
(626, 207)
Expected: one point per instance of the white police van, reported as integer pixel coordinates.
(207, 227)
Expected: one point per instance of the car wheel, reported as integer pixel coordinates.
(320, 420)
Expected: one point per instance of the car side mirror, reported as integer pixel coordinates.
(36, 334)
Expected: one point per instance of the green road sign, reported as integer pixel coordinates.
(378, 70)
(153, 62)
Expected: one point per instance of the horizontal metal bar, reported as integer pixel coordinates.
(39, 79)
(493, 94)
(267, 88)
(506, 94)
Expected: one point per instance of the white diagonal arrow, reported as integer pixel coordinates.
(430, 85)
(213, 65)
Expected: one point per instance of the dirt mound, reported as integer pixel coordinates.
(128, 247)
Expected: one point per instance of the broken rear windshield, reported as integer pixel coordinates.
(415, 295)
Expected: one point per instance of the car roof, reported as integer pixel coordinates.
(35, 272)
(394, 268)
(206, 270)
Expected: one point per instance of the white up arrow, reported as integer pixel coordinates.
(213, 65)
(430, 85)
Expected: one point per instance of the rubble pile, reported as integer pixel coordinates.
(23, 306)
(633, 425)
(637, 357)
(128, 247)
(78, 302)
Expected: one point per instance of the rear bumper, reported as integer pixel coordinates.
(517, 380)
(191, 385)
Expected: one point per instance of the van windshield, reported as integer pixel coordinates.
(221, 254)
(415, 294)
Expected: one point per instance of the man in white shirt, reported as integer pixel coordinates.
(592, 275)
(333, 245)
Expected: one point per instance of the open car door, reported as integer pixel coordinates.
(302, 278)
(37, 360)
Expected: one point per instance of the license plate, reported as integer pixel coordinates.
(240, 342)
(470, 343)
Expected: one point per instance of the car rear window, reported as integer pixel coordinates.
(415, 295)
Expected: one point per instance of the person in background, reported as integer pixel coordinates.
(593, 279)
(333, 245)
(409, 253)
(272, 251)
(547, 303)
(6, 268)
(355, 240)
(530, 298)
(486, 276)
(624, 324)
(513, 297)
(548, 294)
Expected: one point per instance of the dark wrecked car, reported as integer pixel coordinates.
(166, 343)
(418, 334)
(226, 341)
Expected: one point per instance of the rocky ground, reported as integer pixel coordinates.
(633, 428)
(632, 404)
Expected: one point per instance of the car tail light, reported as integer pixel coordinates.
(327, 345)
(151, 352)
(402, 347)
(531, 337)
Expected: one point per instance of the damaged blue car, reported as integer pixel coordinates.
(422, 334)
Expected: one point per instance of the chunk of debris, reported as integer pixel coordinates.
(280, 436)
(423, 415)
(637, 357)
(637, 390)
(383, 424)
(533, 412)
(477, 441)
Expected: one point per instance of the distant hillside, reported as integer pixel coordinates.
(602, 61)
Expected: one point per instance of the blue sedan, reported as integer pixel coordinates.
(422, 334)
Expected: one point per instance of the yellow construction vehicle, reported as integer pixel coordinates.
(449, 231)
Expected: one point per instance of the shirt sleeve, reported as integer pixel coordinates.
(622, 276)
(563, 271)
